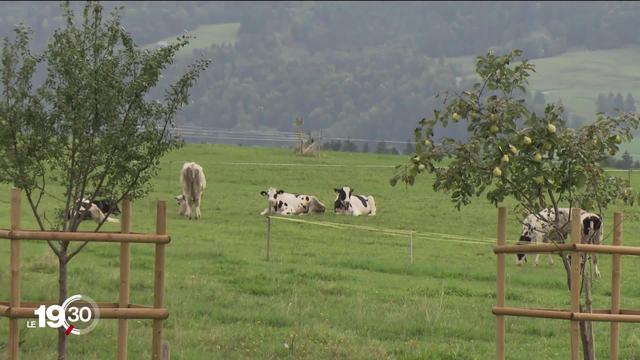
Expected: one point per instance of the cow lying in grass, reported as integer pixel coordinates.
(95, 210)
(311, 204)
(283, 203)
(349, 204)
(537, 229)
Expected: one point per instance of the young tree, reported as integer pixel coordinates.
(602, 104)
(611, 100)
(349, 146)
(511, 152)
(618, 103)
(297, 124)
(629, 103)
(626, 162)
(381, 147)
(90, 127)
(365, 147)
(409, 149)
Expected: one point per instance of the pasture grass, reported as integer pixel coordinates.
(326, 293)
(205, 36)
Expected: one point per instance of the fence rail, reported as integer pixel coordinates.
(615, 315)
(84, 236)
(15, 308)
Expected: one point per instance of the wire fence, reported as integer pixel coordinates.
(212, 135)
(407, 234)
(280, 138)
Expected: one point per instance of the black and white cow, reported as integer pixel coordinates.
(280, 202)
(592, 234)
(95, 210)
(348, 203)
(284, 203)
(311, 204)
(108, 206)
(540, 229)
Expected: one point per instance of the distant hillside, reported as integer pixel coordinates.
(205, 36)
(577, 77)
(368, 70)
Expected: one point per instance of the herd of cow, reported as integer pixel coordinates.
(347, 203)
(279, 202)
(536, 228)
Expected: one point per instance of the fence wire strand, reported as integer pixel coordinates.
(393, 232)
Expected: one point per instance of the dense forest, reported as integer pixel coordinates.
(353, 69)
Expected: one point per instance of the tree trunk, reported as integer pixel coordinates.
(586, 334)
(586, 328)
(62, 296)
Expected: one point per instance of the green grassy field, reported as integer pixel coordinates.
(205, 36)
(326, 293)
(578, 76)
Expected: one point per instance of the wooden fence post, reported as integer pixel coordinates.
(615, 285)
(411, 245)
(501, 284)
(576, 238)
(158, 298)
(166, 351)
(268, 236)
(14, 330)
(125, 266)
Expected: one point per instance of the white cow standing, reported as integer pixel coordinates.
(349, 204)
(193, 184)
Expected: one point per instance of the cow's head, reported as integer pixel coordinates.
(304, 201)
(592, 228)
(343, 196)
(181, 201)
(525, 238)
(272, 194)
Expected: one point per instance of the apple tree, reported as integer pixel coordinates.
(89, 127)
(511, 152)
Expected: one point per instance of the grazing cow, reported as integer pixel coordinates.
(592, 234)
(284, 203)
(349, 204)
(540, 229)
(193, 184)
(91, 210)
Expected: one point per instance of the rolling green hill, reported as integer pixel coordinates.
(577, 77)
(326, 293)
